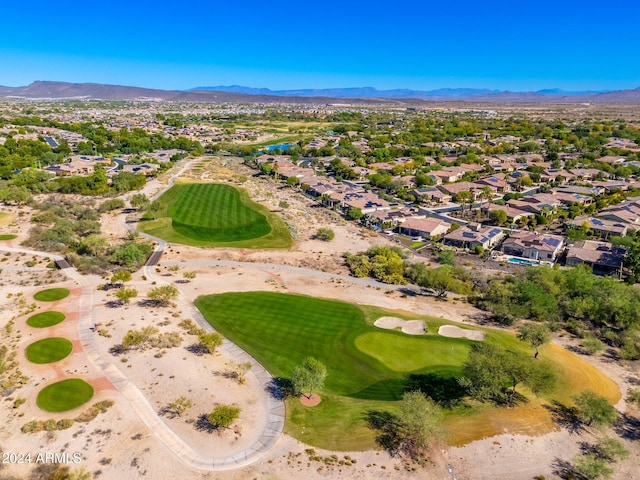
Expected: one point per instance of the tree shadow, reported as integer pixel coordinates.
(118, 349)
(168, 412)
(197, 349)
(114, 304)
(151, 303)
(445, 391)
(566, 417)
(280, 388)
(204, 425)
(387, 428)
(563, 468)
(628, 426)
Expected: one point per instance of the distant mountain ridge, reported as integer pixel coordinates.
(355, 92)
(402, 93)
(356, 95)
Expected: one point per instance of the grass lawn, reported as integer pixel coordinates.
(52, 294)
(64, 395)
(7, 237)
(369, 368)
(210, 214)
(48, 350)
(45, 319)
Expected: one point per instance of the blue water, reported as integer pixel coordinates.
(279, 146)
(522, 261)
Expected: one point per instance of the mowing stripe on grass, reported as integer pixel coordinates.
(52, 294)
(45, 319)
(64, 395)
(48, 350)
(208, 214)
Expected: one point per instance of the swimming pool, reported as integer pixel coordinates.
(522, 261)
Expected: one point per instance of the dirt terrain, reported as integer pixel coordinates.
(118, 444)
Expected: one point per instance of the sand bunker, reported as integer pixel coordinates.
(411, 327)
(457, 332)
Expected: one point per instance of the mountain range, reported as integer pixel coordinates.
(357, 95)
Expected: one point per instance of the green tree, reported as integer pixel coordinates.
(309, 376)
(536, 334)
(140, 201)
(164, 294)
(498, 217)
(126, 294)
(211, 341)
(325, 234)
(447, 257)
(611, 450)
(595, 409)
(463, 198)
(355, 214)
(592, 467)
(223, 416)
(420, 420)
(121, 276)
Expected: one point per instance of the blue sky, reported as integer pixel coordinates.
(509, 45)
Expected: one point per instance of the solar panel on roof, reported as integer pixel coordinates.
(595, 221)
(553, 242)
(494, 232)
(468, 235)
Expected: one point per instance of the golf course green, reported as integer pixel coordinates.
(370, 368)
(45, 319)
(48, 350)
(210, 214)
(64, 395)
(52, 294)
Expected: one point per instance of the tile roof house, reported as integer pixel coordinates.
(541, 247)
(603, 257)
(513, 213)
(611, 160)
(423, 227)
(470, 237)
(599, 226)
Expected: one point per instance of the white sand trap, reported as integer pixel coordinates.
(457, 332)
(410, 327)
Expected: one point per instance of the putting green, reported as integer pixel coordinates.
(8, 236)
(64, 395)
(52, 294)
(408, 354)
(209, 214)
(48, 350)
(45, 319)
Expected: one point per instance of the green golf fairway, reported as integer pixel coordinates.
(64, 395)
(48, 350)
(364, 361)
(45, 319)
(52, 294)
(208, 214)
(369, 369)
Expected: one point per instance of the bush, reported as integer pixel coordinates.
(223, 416)
(592, 345)
(65, 423)
(325, 234)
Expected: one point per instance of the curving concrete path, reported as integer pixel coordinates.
(142, 406)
